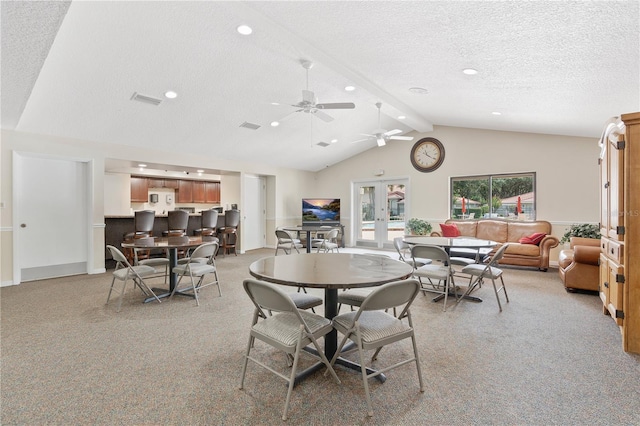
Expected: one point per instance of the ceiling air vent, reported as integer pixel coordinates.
(145, 99)
(323, 144)
(251, 126)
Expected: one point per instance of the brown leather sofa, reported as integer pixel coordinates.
(578, 266)
(510, 231)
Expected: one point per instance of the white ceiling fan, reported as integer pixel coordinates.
(309, 103)
(381, 136)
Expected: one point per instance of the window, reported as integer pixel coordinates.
(510, 196)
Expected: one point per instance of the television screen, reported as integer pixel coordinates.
(320, 211)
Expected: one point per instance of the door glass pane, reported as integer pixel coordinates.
(395, 211)
(367, 212)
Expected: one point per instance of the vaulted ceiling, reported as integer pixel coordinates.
(70, 69)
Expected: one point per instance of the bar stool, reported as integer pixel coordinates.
(142, 228)
(230, 231)
(209, 223)
(177, 223)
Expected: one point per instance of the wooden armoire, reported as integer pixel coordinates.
(620, 226)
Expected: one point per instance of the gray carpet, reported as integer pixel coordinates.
(549, 358)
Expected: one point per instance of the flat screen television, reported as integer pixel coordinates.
(320, 211)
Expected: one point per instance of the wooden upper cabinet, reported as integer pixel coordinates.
(155, 182)
(139, 189)
(185, 191)
(171, 183)
(212, 192)
(198, 191)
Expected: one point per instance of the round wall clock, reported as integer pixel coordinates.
(427, 154)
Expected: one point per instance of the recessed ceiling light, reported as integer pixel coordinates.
(275, 103)
(470, 71)
(418, 90)
(170, 94)
(349, 88)
(275, 123)
(496, 113)
(244, 29)
(401, 117)
(334, 140)
(200, 171)
(142, 165)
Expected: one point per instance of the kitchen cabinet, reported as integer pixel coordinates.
(198, 191)
(139, 189)
(620, 227)
(185, 191)
(212, 192)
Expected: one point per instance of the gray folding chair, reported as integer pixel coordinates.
(148, 259)
(328, 243)
(404, 253)
(289, 330)
(437, 275)
(478, 272)
(371, 327)
(286, 242)
(124, 272)
(200, 264)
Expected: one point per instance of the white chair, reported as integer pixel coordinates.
(200, 264)
(148, 260)
(124, 272)
(289, 330)
(328, 243)
(372, 328)
(404, 253)
(438, 274)
(286, 242)
(478, 272)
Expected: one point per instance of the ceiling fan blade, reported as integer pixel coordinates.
(393, 132)
(401, 138)
(322, 116)
(380, 140)
(361, 140)
(308, 96)
(339, 105)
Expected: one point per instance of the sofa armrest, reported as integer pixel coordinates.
(436, 234)
(580, 241)
(586, 254)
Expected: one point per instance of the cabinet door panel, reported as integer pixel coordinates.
(615, 305)
(212, 192)
(616, 191)
(171, 183)
(185, 191)
(139, 189)
(604, 280)
(198, 192)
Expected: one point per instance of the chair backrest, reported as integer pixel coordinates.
(498, 255)
(210, 219)
(231, 218)
(118, 256)
(178, 220)
(391, 295)
(332, 235)
(401, 247)
(143, 220)
(205, 250)
(283, 236)
(268, 297)
(435, 253)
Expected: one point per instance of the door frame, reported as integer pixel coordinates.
(17, 178)
(355, 206)
(260, 219)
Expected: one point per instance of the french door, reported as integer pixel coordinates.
(379, 212)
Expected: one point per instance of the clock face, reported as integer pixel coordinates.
(427, 154)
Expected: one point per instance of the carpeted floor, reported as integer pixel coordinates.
(549, 358)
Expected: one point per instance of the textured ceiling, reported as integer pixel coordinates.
(554, 67)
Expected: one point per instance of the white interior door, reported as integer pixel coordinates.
(254, 213)
(379, 215)
(50, 217)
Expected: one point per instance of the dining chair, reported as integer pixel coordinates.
(201, 263)
(124, 272)
(371, 327)
(404, 253)
(355, 296)
(438, 274)
(286, 242)
(151, 260)
(478, 272)
(328, 243)
(209, 224)
(288, 329)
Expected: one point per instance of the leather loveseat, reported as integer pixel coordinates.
(511, 231)
(578, 266)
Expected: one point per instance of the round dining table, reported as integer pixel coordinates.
(331, 272)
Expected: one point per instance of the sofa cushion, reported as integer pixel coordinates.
(519, 229)
(495, 230)
(534, 238)
(523, 249)
(449, 230)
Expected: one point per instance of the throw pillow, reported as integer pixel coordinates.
(534, 238)
(450, 230)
